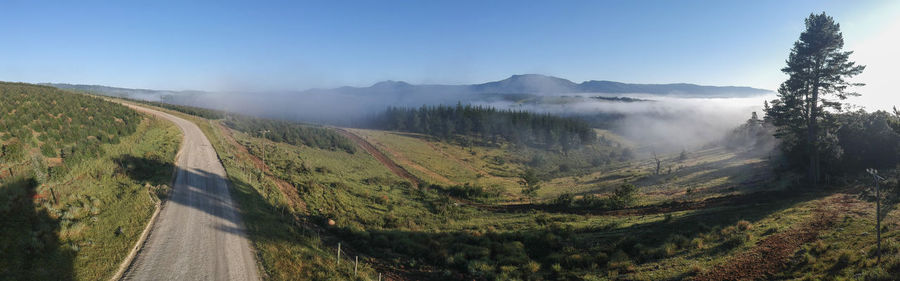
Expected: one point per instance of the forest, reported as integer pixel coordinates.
(489, 125)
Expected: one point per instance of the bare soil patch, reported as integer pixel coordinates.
(286, 188)
(772, 254)
(386, 161)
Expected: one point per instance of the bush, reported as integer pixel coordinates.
(624, 196)
(680, 240)
(744, 225)
(697, 243)
(468, 191)
(564, 200)
(845, 258)
(736, 240)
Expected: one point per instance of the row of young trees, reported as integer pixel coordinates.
(192, 110)
(489, 124)
(809, 115)
(59, 123)
(291, 132)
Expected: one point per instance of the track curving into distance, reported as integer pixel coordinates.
(199, 234)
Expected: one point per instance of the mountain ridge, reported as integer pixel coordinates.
(516, 84)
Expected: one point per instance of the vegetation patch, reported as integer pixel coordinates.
(81, 206)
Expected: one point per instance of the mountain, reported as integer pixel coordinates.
(534, 84)
(527, 84)
(345, 105)
(543, 85)
(678, 89)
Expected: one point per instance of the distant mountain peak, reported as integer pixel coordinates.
(528, 84)
(390, 83)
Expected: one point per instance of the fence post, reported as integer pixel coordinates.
(339, 254)
(355, 266)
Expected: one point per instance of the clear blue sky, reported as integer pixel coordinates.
(267, 45)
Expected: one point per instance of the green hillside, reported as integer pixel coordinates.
(79, 178)
(417, 207)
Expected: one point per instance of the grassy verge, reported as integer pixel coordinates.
(288, 246)
(81, 223)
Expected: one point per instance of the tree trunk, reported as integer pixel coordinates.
(813, 142)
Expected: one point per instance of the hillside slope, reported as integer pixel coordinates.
(79, 178)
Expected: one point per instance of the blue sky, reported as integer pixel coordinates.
(269, 45)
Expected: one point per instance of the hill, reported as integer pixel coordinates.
(79, 178)
(543, 84)
(528, 84)
(416, 207)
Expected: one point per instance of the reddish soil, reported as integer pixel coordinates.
(389, 272)
(387, 162)
(286, 188)
(772, 254)
(730, 200)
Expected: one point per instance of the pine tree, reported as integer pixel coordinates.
(817, 68)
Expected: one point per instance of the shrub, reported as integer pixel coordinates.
(624, 196)
(468, 191)
(532, 267)
(564, 200)
(480, 267)
(697, 243)
(736, 240)
(844, 259)
(619, 260)
(744, 225)
(680, 240)
(728, 231)
(695, 269)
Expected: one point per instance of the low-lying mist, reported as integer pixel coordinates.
(658, 123)
(664, 124)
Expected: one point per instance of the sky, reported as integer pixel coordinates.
(295, 45)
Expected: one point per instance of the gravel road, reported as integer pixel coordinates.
(199, 234)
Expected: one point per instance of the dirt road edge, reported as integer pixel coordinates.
(126, 263)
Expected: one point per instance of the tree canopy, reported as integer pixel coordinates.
(818, 69)
(489, 124)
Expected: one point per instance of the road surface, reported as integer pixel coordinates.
(199, 234)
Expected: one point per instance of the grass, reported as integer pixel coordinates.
(289, 246)
(448, 164)
(424, 234)
(86, 220)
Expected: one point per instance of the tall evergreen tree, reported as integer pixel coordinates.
(817, 68)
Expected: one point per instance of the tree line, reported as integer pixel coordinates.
(192, 110)
(289, 132)
(489, 125)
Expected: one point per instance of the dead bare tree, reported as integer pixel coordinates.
(658, 162)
